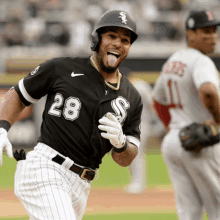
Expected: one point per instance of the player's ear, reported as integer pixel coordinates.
(191, 35)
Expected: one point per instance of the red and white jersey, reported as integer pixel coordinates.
(178, 86)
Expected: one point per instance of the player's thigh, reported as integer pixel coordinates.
(80, 192)
(205, 171)
(57, 204)
(171, 147)
(186, 194)
(43, 191)
(188, 201)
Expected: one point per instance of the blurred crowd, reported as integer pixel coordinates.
(68, 23)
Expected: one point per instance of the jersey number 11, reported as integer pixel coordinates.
(174, 91)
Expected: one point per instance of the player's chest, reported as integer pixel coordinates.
(86, 96)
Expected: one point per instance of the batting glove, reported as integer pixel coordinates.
(5, 145)
(113, 129)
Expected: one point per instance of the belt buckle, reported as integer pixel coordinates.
(84, 173)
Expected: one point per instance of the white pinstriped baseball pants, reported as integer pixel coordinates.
(47, 190)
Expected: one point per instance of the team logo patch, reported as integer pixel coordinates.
(35, 70)
(210, 15)
(120, 106)
(123, 17)
(191, 23)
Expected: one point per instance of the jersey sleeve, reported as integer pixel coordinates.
(159, 93)
(204, 72)
(37, 83)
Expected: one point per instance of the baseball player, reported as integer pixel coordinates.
(150, 126)
(186, 93)
(91, 109)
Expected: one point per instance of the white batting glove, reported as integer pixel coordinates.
(113, 129)
(4, 145)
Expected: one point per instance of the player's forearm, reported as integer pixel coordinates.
(211, 101)
(213, 105)
(11, 107)
(125, 158)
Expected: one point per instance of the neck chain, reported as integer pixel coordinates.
(108, 84)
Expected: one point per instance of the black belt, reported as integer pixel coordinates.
(84, 173)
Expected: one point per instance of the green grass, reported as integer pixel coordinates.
(157, 173)
(7, 171)
(148, 216)
(123, 217)
(111, 174)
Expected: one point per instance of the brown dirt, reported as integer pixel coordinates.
(104, 201)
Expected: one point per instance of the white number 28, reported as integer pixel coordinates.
(71, 108)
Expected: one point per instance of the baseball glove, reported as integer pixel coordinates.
(196, 136)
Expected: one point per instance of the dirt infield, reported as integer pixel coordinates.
(105, 201)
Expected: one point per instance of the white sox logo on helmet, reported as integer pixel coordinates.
(123, 17)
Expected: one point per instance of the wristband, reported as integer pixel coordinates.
(5, 124)
(122, 149)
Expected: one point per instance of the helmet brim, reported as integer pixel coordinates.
(134, 35)
(209, 24)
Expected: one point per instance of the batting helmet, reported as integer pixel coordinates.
(113, 18)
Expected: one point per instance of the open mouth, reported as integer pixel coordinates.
(113, 53)
(112, 57)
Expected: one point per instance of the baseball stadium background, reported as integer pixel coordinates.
(32, 31)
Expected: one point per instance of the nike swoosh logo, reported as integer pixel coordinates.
(76, 74)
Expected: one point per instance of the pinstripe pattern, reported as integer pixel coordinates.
(48, 190)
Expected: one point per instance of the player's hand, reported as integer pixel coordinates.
(113, 129)
(4, 145)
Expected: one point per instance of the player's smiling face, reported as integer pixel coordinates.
(205, 39)
(114, 48)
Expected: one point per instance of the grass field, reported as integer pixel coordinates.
(111, 175)
(121, 217)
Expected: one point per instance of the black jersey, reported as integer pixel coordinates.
(77, 97)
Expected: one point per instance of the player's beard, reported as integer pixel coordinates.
(108, 70)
